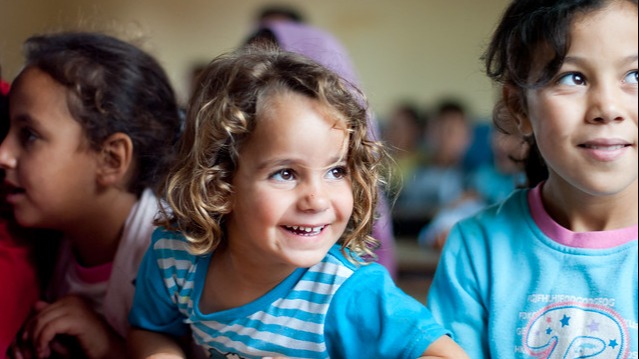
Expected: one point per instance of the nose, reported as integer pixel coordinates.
(314, 197)
(607, 103)
(7, 159)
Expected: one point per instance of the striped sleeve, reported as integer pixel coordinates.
(162, 273)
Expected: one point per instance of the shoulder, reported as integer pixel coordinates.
(168, 240)
(507, 213)
(492, 228)
(370, 305)
(336, 274)
(171, 247)
(357, 275)
(332, 271)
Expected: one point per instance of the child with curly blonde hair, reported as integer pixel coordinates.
(269, 211)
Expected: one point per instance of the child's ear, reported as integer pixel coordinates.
(115, 159)
(514, 100)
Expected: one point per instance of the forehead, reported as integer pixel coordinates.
(616, 18)
(291, 122)
(36, 89)
(38, 101)
(621, 15)
(278, 100)
(591, 34)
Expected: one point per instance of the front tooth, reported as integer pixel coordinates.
(294, 228)
(308, 230)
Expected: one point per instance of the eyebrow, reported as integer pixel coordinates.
(623, 61)
(24, 119)
(284, 162)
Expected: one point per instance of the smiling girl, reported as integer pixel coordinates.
(271, 208)
(552, 271)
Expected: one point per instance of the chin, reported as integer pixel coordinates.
(305, 259)
(22, 220)
(26, 221)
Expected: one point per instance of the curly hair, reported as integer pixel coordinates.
(113, 86)
(223, 112)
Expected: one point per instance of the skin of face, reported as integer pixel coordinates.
(292, 191)
(403, 133)
(450, 136)
(49, 167)
(585, 119)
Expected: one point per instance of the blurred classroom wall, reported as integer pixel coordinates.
(420, 50)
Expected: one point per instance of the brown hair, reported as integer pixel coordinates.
(221, 116)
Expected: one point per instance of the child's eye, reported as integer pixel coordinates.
(27, 136)
(285, 174)
(631, 77)
(337, 172)
(572, 79)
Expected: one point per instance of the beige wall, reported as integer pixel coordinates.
(420, 50)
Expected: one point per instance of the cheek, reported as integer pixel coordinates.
(344, 201)
(554, 123)
(539, 112)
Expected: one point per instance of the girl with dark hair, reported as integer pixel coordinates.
(552, 271)
(93, 120)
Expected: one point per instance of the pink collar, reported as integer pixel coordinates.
(592, 240)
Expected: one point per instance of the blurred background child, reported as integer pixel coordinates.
(487, 184)
(441, 179)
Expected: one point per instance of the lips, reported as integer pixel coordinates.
(609, 144)
(605, 150)
(11, 192)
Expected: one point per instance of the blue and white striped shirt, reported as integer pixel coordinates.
(332, 309)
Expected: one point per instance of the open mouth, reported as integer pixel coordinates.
(305, 231)
(8, 191)
(11, 189)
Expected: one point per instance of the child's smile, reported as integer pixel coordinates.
(606, 150)
(292, 191)
(585, 119)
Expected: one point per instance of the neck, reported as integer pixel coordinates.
(96, 236)
(582, 212)
(234, 280)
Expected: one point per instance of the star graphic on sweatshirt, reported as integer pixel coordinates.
(613, 343)
(593, 326)
(565, 321)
